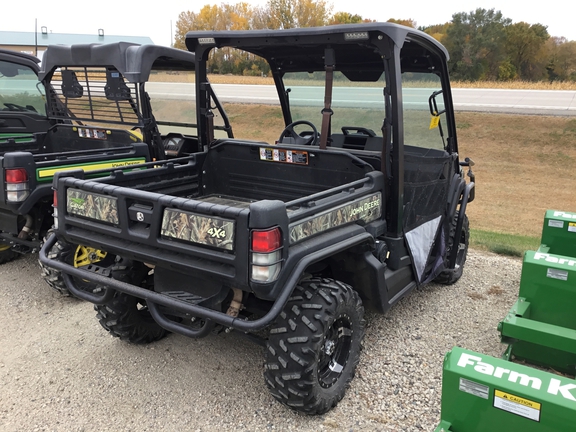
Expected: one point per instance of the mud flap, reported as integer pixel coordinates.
(482, 393)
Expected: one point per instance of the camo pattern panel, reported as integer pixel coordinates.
(365, 209)
(93, 206)
(195, 228)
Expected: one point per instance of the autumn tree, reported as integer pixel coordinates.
(482, 43)
(345, 18)
(526, 49)
(437, 31)
(562, 60)
(239, 16)
(206, 19)
(476, 42)
(405, 22)
(285, 14)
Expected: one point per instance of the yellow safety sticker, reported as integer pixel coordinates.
(572, 226)
(49, 172)
(517, 405)
(434, 121)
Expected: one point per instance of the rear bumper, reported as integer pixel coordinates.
(155, 300)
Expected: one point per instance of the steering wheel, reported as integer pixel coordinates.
(14, 107)
(290, 136)
(351, 130)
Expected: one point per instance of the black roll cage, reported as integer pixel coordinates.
(361, 52)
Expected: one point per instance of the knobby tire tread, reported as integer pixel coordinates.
(292, 353)
(451, 277)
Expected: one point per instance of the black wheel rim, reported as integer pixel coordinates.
(335, 351)
(461, 248)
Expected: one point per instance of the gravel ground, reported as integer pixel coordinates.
(60, 371)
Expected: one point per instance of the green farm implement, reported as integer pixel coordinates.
(482, 393)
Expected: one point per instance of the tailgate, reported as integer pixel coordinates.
(184, 233)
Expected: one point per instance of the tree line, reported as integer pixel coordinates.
(483, 44)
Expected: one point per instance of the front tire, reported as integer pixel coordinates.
(314, 346)
(449, 277)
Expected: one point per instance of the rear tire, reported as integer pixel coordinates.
(125, 316)
(449, 277)
(73, 255)
(314, 346)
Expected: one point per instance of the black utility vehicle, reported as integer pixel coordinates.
(23, 126)
(22, 107)
(287, 241)
(86, 109)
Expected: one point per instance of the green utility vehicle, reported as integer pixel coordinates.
(89, 108)
(359, 198)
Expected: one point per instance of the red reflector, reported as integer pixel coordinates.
(16, 175)
(266, 241)
(55, 198)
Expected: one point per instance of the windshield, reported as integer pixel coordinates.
(173, 101)
(20, 89)
(356, 104)
(421, 129)
(358, 108)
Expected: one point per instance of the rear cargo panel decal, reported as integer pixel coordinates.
(195, 228)
(366, 209)
(283, 155)
(92, 206)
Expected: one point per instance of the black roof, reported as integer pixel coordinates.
(356, 46)
(16, 55)
(133, 61)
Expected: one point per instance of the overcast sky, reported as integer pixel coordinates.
(118, 17)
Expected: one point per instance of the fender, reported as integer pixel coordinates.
(468, 190)
(457, 186)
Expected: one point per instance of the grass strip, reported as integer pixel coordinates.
(501, 243)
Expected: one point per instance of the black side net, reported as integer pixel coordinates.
(426, 181)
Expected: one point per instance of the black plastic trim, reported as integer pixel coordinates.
(181, 306)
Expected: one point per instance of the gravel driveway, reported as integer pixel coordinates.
(60, 371)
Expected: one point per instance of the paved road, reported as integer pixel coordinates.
(547, 102)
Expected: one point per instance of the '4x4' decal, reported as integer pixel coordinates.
(216, 232)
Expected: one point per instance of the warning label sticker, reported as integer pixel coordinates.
(517, 405)
(473, 388)
(572, 226)
(283, 155)
(557, 274)
(555, 223)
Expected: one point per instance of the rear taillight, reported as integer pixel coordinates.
(266, 254)
(17, 186)
(55, 207)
